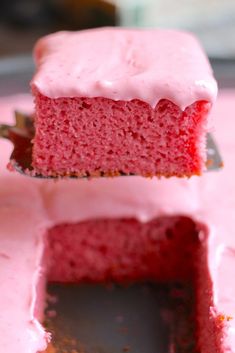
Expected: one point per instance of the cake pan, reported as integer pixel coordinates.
(140, 318)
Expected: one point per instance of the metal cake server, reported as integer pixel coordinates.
(22, 133)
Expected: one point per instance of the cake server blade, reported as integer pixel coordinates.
(22, 133)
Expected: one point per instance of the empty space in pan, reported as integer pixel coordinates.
(140, 318)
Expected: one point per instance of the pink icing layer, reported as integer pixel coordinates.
(28, 207)
(124, 64)
(21, 248)
(22, 227)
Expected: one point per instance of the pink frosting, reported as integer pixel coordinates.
(29, 206)
(124, 64)
(23, 222)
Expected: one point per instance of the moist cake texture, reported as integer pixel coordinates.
(122, 250)
(178, 216)
(114, 101)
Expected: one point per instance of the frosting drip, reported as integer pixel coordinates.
(124, 64)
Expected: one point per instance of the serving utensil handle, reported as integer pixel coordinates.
(4, 131)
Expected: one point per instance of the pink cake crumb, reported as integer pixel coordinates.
(103, 137)
(122, 250)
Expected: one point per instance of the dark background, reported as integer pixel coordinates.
(22, 22)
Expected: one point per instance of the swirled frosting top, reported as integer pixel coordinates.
(124, 64)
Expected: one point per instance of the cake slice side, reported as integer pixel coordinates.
(211, 323)
(102, 137)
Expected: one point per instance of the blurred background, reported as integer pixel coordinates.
(22, 22)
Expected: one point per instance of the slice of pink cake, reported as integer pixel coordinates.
(122, 230)
(115, 101)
